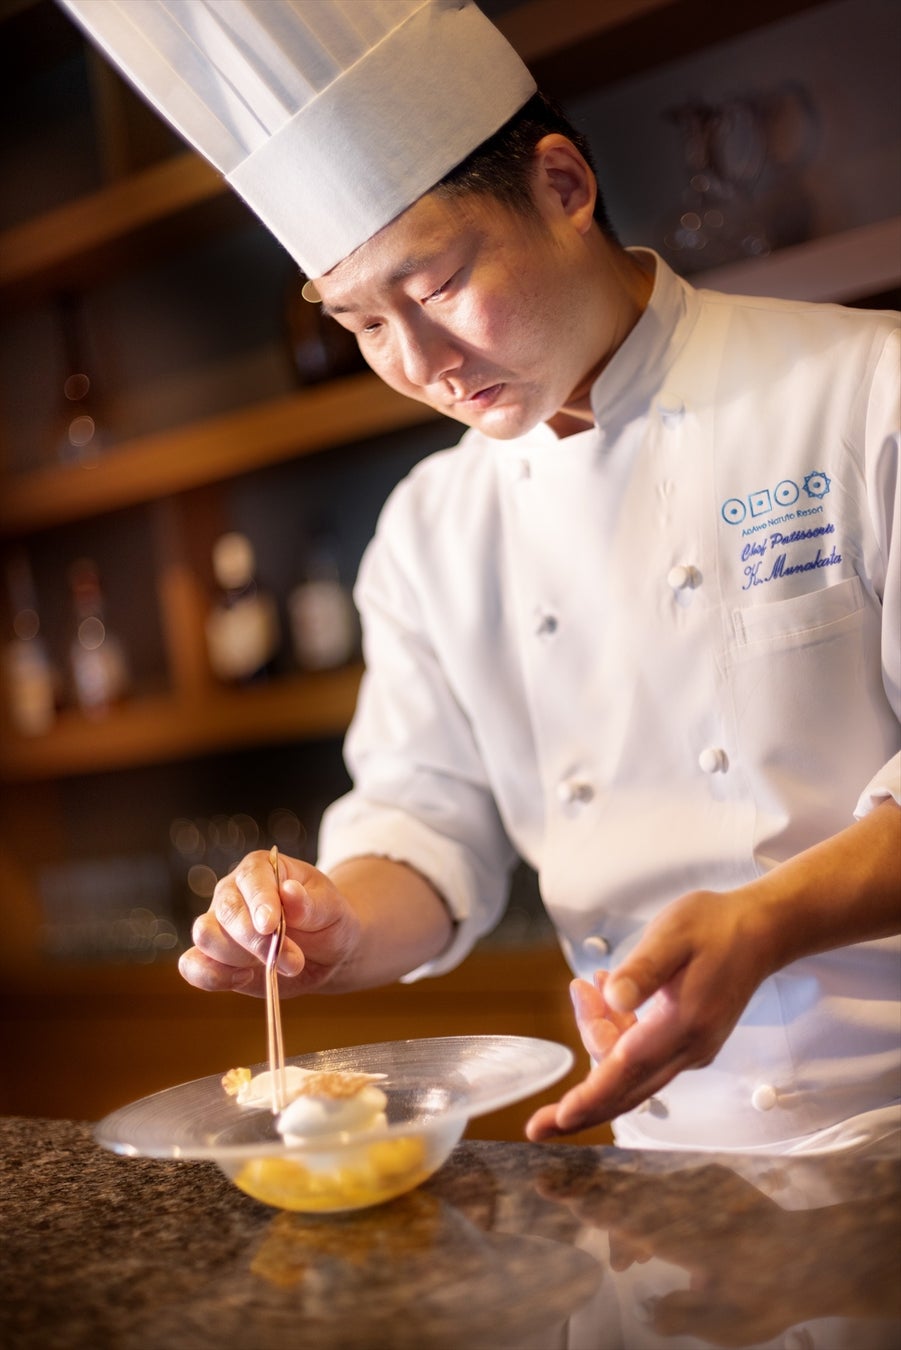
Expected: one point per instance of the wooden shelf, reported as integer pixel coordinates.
(843, 267)
(208, 451)
(121, 225)
(163, 728)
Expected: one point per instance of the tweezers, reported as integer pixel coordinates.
(274, 1039)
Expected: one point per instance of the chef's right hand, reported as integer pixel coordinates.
(232, 939)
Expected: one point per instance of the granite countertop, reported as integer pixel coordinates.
(514, 1246)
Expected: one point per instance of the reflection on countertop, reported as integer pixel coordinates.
(515, 1246)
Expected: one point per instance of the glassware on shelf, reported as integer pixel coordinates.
(100, 673)
(30, 679)
(324, 624)
(718, 220)
(242, 629)
(80, 437)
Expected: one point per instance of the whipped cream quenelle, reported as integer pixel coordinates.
(319, 1101)
(333, 1102)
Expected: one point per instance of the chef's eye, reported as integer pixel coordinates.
(369, 328)
(441, 290)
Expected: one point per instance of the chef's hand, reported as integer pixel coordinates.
(700, 960)
(368, 923)
(695, 968)
(233, 937)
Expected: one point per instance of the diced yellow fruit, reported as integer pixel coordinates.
(385, 1169)
(392, 1158)
(275, 1181)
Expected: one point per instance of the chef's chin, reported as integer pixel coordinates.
(503, 421)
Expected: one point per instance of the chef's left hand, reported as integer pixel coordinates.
(700, 960)
(695, 968)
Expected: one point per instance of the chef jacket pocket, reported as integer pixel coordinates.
(798, 665)
(797, 620)
(809, 722)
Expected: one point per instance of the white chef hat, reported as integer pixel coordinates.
(329, 117)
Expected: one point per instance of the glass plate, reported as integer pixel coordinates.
(426, 1081)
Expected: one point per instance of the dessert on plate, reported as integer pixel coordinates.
(338, 1119)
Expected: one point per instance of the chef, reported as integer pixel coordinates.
(640, 628)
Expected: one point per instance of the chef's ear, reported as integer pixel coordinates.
(564, 181)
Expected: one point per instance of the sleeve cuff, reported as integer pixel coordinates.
(386, 832)
(886, 783)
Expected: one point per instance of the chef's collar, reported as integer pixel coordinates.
(633, 376)
(329, 117)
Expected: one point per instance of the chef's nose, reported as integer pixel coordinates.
(428, 353)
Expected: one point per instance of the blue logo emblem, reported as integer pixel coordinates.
(817, 484)
(760, 503)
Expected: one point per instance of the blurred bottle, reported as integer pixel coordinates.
(324, 625)
(81, 437)
(29, 676)
(100, 674)
(242, 629)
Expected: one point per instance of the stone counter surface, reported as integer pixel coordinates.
(509, 1246)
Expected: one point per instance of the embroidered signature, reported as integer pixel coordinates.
(781, 567)
(758, 547)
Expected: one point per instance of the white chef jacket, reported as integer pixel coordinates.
(659, 655)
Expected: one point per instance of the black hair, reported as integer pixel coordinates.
(501, 167)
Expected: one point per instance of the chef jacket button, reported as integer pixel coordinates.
(523, 469)
(671, 409)
(683, 577)
(764, 1097)
(546, 625)
(713, 760)
(574, 790)
(593, 944)
(653, 1106)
